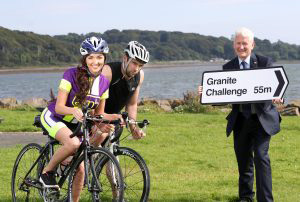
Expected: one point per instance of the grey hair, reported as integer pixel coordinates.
(243, 31)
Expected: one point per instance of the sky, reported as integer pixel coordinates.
(268, 19)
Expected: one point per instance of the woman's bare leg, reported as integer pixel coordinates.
(69, 146)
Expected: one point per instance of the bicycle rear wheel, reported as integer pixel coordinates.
(26, 189)
(136, 174)
(109, 178)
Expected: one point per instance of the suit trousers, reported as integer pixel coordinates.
(251, 145)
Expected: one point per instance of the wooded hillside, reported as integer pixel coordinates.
(18, 48)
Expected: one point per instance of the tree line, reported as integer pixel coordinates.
(19, 48)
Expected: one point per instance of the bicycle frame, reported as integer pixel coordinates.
(84, 149)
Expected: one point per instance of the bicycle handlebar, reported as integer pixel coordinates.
(141, 124)
(99, 118)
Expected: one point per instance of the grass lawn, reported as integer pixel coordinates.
(17, 120)
(189, 157)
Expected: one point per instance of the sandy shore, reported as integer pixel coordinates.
(33, 70)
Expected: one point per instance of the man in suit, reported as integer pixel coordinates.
(252, 126)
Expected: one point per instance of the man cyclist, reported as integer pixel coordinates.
(126, 81)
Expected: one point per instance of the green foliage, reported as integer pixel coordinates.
(27, 48)
(150, 108)
(191, 104)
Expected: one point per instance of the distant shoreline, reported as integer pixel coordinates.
(20, 70)
(37, 69)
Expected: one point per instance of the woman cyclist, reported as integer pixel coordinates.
(85, 85)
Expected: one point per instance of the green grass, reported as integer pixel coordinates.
(191, 159)
(18, 120)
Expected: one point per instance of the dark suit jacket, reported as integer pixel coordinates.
(266, 111)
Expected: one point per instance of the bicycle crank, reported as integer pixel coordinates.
(51, 194)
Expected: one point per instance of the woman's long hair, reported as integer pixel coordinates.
(82, 81)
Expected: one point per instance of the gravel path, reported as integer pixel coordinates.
(10, 139)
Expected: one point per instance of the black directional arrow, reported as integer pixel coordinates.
(281, 83)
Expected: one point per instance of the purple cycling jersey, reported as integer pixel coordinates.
(98, 91)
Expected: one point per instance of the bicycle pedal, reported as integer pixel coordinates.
(51, 194)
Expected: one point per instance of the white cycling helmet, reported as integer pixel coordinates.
(137, 51)
(93, 45)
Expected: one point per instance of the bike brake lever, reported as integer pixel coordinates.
(143, 123)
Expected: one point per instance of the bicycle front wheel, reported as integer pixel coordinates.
(107, 185)
(136, 174)
(26, 189)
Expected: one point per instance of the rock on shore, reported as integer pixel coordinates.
(11, 103)
(291, 109)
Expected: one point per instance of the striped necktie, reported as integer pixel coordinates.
(243, 63)
(246, 108)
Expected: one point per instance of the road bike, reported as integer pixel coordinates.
(134, 169)
(25, 184)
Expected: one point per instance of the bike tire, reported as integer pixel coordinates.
(104, 158)
(23, 189)
(136, 174)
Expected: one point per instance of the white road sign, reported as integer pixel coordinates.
(239, 86)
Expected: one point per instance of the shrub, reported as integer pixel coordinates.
(191, 104)
(149, 107)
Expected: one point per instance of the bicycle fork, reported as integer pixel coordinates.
(95, 186)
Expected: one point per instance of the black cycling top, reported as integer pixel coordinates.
(120, 90)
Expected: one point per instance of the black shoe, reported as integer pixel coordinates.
(48, 180)
(245, 200)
